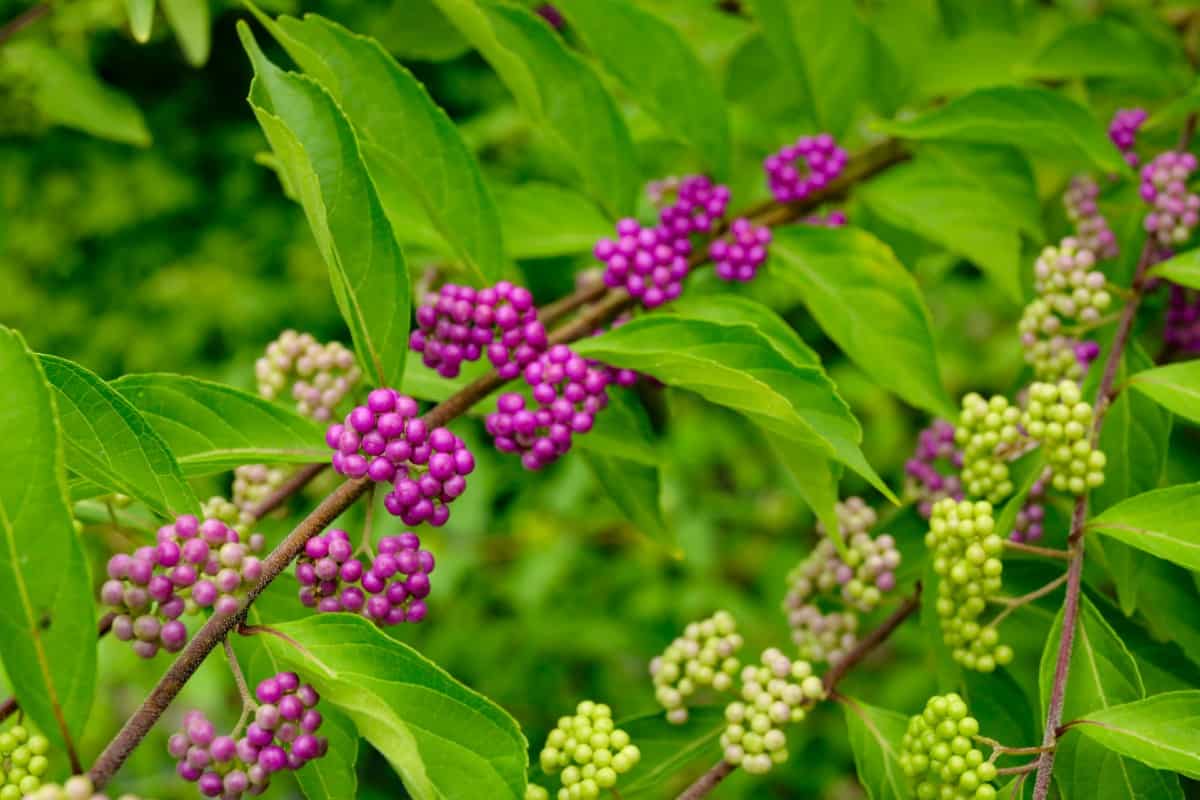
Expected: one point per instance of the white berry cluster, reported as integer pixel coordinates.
(589, 751)
(320, 375)
(1059, 418)
(987, 431)
(253, 482)
(79, 787)
(704, 656)
(1069, 292)
(773, 694)
(966, 556)
(939, 754)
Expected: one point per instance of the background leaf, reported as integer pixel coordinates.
(868, 303)
(141, 18)
(319, 155)
(190, 21)
(1159, 731)
(109, 442)
(670, 749)
(524, 209)
(212, 427)
(47, 619)
(1182, 268)
(1086, 50)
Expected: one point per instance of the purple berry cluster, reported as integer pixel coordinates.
(568, 392)
(391, 591)
(321, 375)
(798, 170)
(831, 219)
(1164, 188)
(388, 442)
(738, 255)
(460, 324)
(283, 736)
(1091, 228)
(934, 467)
(1123, 131)
(698, 205)
(195, 565)
(1032, 516)
(1182, 331)
(650, 263)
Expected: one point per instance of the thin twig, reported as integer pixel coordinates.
(1024, 769)
(1034, 550)
(248, 704)
(301, 478)
(256, 630)
(1014, 603)
(25, 18)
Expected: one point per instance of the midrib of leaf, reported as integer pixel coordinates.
(35, 631)
(1147, 532)
(1179, 388)
(1161, 744)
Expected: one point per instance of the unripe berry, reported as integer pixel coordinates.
(702, 645)
(317, 376)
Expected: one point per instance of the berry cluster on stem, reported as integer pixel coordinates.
(392, 590)
(23, 762)
(320, 376)
(588, 752)
(705, 655)
(939, 754)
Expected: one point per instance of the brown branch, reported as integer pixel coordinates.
(610, 305)
(25, 18)
(723, 769)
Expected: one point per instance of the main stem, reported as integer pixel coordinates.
(723, 769)
(601, 308)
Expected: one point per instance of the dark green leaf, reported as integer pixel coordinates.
(868, 303)
(1176, 387)
(412, 29)
(524, 209)
(730, 309)
(1028, 117)
(47, 620)
(559, 91)
(669, 749)
(1162, 523)
(408, 143)
(320, 158)
(212, 427)
(1161, 731)
(109, 442)
(635, 489)
(875, 735)
(444, 740)
(1085, 50)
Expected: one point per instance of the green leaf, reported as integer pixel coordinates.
(1162, 731)
(776, 19)
(1025, 472)
(190, 21)
(141, 19)
(1102, 674)
(660, 71)
(974, 200)
(1176, 387)
(623, 430)
(1183, 268)
(559, 91)
(332, 777)
(815, 477)
(636, 490)
(68, 93)
(1162, 523)
(444, 740)
(319, 154)
(1027, 117)
(47, 619)
(735, 365)
(1085, 50)
(670, 749)
(868, 303)
(524, 209)
(731, 309)
(109, 442)
(408, 143)
(875, 735)
(412, 29)
(212, 427)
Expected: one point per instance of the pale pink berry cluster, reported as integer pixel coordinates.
(1175, 210)
(390, 591)
(387, 441)
(798, 170)
(283, 736)
(321, 375)
(195, 565)
(738, 255)
(1091, 228)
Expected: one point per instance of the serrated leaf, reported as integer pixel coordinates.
(524, 209)
(412, 29)
(109, 442)
(868, 303)
(190, 21)
(1085, 50)
(211, 427)
(974, 200)
(670, 749)
(735, 365)
(875, 735)
(660, 71)
(1027, 117)
(442, 738)
(1175, 387)
(47, 618)
(1162, 731)
(559, 91)
(318, 152)
(1102, 674)
(408, 142)
(1162, 523)
(68, 93)
(141, 19)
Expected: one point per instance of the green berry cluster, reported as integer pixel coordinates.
(535, 792)
(77, 788)
(217, 507)
(253, 482)
(1064, 278)
(773, 694)
(966, 556)
(703, 656)
(1052, 356)
(1059, 418)
(822, 636)
(22, 762)
(938, 752)
(589, 750)
(986, 432)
